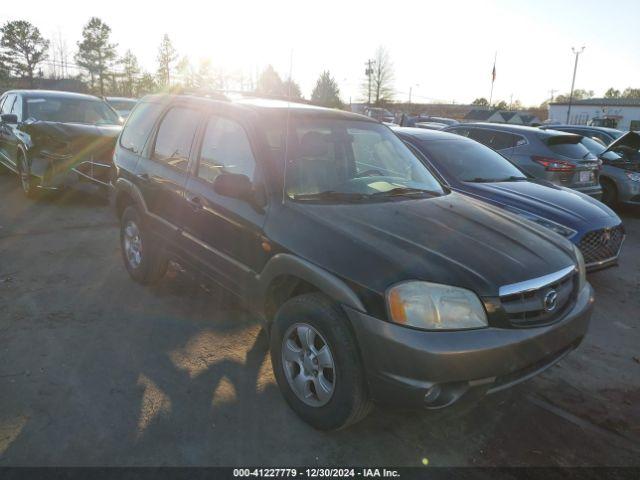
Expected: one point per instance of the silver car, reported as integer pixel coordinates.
(620, 174)
(557, 157)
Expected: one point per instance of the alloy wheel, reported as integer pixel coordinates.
(308, 364)
(132, 244)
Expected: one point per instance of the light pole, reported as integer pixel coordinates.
(411, 89)
(369, 72)
(573, 82)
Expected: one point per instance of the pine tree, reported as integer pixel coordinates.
(95, 52)
(22, 49)
(326, 91)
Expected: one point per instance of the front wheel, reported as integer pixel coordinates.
(609, 192)
(26, 179)
(144, 260)
(316, 363)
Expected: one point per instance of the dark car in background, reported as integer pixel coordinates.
(122, 105)
(53, 139)
(380, 114)
(442, 120)
(373, 280)
(471, 168)
(546, 154)
(604, 134)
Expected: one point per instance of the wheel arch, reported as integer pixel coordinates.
(126, 194)
(287, 275)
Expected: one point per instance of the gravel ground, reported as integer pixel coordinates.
(97, 370)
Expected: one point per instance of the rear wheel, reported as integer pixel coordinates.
(144, 260)
(316, 363)
(609, 192)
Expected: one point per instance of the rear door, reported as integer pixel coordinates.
(223, 234)
(163, 176)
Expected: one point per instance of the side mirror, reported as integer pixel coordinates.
(233, 185)
(9, 118)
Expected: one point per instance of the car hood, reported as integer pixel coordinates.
(71, 142)
(544, 199)
(630, 140)
(453, 240)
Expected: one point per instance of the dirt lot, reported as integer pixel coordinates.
(97, 370)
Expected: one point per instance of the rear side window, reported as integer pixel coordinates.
(568, 147)
(481, 135)
(502, 140)
(175, 137)
(225, 149)
(138, 126)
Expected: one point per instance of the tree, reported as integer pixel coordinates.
(130, 73)
(481, 101)
(578, 94)
(379, 83)
(270, 83)
(147, 84)
(291, 90)
(501, 105)
(167, 56)
(96, 53)
(326, 91)
(23, 48)
(612, 93)
(631, 92)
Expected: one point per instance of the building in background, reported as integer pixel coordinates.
(621, 113)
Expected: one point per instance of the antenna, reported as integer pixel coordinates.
(286, 131)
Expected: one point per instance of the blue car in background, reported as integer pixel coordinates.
(469, 167)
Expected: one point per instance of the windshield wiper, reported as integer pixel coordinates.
(512, 178)
(331, 195)
(404, 192)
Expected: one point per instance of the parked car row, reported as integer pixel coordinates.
(416, 268)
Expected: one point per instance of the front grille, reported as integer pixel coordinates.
(601, 245)
(528, 308)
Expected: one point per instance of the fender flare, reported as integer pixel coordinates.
(285, 264)
(123, 185)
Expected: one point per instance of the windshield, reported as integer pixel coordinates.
(71, 110)
(469, 161)
(338, 160)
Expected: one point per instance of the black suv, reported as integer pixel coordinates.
(373, 280)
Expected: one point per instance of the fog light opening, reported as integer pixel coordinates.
(432, 394)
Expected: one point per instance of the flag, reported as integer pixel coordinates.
(493, 72)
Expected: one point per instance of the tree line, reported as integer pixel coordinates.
(24, 52)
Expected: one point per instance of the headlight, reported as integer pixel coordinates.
(431, 306)
(551, 225)
(633, 176)
(582, 270)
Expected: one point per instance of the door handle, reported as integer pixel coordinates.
(143, 177)
(195, 203)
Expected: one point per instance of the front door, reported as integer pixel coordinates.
(224, 233)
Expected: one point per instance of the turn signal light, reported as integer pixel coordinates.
(552, 165)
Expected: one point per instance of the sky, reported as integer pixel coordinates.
(442, 50)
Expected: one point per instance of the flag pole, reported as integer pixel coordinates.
(493, 78)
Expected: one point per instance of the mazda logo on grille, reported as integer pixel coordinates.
(550, 300)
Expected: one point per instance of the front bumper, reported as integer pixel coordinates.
(415, 368)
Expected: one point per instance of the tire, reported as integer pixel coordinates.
(144, 260)
(27, 183)
(609, 192)
(348, 401)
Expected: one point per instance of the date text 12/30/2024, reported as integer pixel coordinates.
(315, 473)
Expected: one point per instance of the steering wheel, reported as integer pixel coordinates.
(370, 173)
